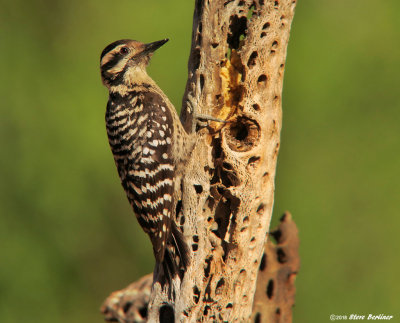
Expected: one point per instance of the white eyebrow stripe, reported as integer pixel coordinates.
(110, 55)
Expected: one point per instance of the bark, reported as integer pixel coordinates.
(236, 70)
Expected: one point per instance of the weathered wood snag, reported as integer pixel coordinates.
(275, 292)
(236, 70)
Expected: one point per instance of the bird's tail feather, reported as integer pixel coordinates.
(177, 246)
(180, 245)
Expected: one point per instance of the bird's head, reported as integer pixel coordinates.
(124, 60)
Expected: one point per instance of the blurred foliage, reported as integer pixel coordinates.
(68, 236)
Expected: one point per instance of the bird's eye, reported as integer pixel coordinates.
(124, 50)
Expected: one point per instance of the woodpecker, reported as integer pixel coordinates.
(149, 145)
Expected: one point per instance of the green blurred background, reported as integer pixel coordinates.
(68, 237)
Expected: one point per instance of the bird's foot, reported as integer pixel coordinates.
(202, 120)
(199, 120)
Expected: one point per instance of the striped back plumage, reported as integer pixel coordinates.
(140, 140)
(142, 129)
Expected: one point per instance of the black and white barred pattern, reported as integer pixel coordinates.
(144, 133)
(141, 141)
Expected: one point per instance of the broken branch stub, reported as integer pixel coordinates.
(280, 263)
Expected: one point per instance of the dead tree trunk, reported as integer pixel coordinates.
(236, 70)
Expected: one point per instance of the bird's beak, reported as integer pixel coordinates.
(151, 47)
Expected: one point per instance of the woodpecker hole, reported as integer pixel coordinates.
(178, 207)
(227, 166)
(195, 247)
(260, 209)
(222, 216)
(266, 26)
(229, 178)
(242, 275)
(225, 217)
(207, 268)
(196, 238)
(227, 246)
(276, 4)
(273, 127)
(263, 262)
(254, 161)
(167, 314)
(210, 202)
(275, 45)
(182, 221)
(257, 318)
(252, 59)
(270, 289)
(281, 68)
(143, 312)
(214, 45)
(220, 190)
(281, 256)
(224, 175)
(243, 134)
(126, 307)
(283, 19)
(256, 107)
(277, 235)
(198, 188)
(265, 177)
(216, 148)
(263, 34)
(196, 58)
(219, 100)
(201, 82)
(276, 150)
(262, 79)
(196, 294)
(237, 30)
(220, 286)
